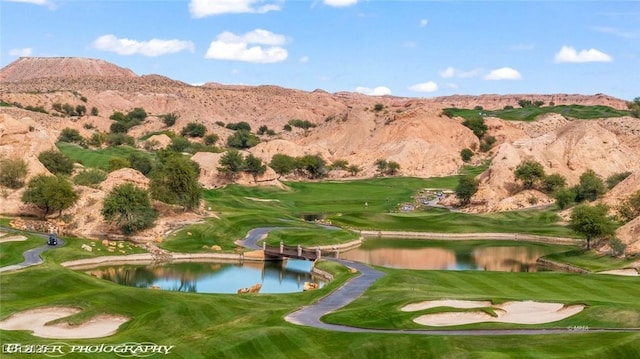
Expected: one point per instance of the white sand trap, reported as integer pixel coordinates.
(628, 272)
(525, 312)
(455, 303)
(262, 199)
(12, 239)
(36, 321)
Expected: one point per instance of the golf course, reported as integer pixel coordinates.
(233, 326)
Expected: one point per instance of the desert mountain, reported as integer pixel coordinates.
(349, 126)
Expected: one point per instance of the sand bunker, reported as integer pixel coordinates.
(526, 312)
(628, 272)
(12, 238)
(36, 321)
(262, 199)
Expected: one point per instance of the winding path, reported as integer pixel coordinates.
(310, 315)
(32, 256)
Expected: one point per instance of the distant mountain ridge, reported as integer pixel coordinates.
(28, 68)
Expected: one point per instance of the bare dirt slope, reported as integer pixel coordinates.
(349, 126)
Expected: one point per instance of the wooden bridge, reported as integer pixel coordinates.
(296, 252)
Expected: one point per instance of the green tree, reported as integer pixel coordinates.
(169, 119)
(354, 169)
(634, 107)
(592, 222)
(138, 115)
(529, 172)
(254, 166)
(129, 207)
(140, 162)
(282, 164)
(242, 139)
(553, 182)
(339, 164)
(50, 193)
(116, 163)
(175, 181)
(94, 111)
(564, 197)
(477, 125)
(211, 139)
(118, 127)
(392, 168)
(231, 163)
(193, 129)
(590, 188)
(630, 207)
(378, 107)
(13, 172)
(70, 135)
(313, 165)
(466, 188)
(90, 177)
(616, 178)
(466, 154)
(56, 162)
(81, 110)
(263, 129)
(381, 165)
(179, 144)
(239, 126)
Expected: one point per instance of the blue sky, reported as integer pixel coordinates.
(403, 48)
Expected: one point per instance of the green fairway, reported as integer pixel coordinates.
(232, 326)
(611, 300)
(97, 158)
(591, 261)
(12, 252)
(530, 113)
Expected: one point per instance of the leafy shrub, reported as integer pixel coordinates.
(13, 172)
(90, 177)
(466, 154)
(193, 129)
(56, 162)
(70, 135)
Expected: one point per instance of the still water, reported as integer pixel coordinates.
(275, 277)
(503, 256)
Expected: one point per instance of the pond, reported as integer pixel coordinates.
(503, 256)
(198, 277)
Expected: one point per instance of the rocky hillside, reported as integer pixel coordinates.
(28, 68)
(349, 126)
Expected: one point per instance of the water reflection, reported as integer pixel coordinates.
(458, 255)
(275, 277)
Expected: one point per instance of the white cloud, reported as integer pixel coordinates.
(409, 44)
(503, 73)
(229, 46)
(204, 8)
(304, 59)
(257, 36)
(153, 47)
(429, 86)
(378, 91)
(569, 54)
(423, 22)
(453, 72)
(340, 3)
(21, 52)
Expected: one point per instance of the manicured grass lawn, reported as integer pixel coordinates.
(92, 158)
(310, 237)
(611, 300)
(252, 326)
(590, 260)
(530, 113)
(12, 252)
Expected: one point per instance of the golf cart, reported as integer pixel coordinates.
(53, 240)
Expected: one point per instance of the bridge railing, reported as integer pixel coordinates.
(292, 251)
